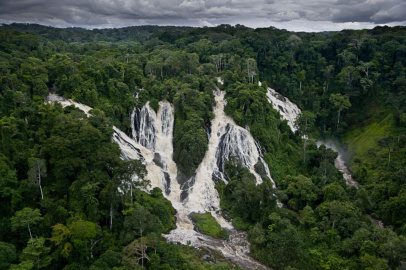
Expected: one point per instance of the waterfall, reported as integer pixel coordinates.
(226, 140)
(154, 131)
(151, 142)
(287, 109)
(143, 126)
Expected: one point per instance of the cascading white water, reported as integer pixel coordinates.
(152, 144)
(154, 131)
(227, 140)
(220, 80)
(68, 102)
(143, 126)
(340, 164)
(160, 173)
(288, 110)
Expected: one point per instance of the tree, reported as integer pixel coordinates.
(286, 242)
(370, 262)
(347, 76)
(307, 216)
(218, 61)
(292, 43)
(37, 170)
(328, 74)
(79, 235)
(22, 266)
(8, 186)
(358, 38)
(139, 222)
(340, 102)
(136, 251)
(365, 68)
(8, 255)
(301, 76)
(24, 218)
(37, 253)
(305, 124)
(334, 191)
(387, 141)
(302, 191)
(133, 175)
(327, 170)
(394, 210)
(363, 201)
(251, 66)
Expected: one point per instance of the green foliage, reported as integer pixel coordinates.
(249, 107)
(285, 242)
(305, 123)
(37, 253)
(139, 222)
(108, 260)
(8, 255)
(25, 218)
(349, 84)
(158, 206)
(76, 236)
(242, 198)
(302, 192)
(22, 266)
(193, 115)
(207, 224)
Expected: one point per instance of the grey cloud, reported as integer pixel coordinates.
(353, 14)
(395, 13)
(349, 2)
(114, 13)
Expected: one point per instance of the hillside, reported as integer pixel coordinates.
(156, 151)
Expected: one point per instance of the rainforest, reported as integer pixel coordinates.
(226, 147)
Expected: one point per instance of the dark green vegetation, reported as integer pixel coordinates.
(60, 173)
(207, 224)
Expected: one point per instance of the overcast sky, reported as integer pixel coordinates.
(294, 15)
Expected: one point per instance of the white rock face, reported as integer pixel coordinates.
(288, 110)
(68, 102)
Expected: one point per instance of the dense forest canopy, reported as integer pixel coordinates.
(61, 174)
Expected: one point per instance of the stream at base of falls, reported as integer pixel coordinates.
(235, 248)
(289, 111)
(340, 163)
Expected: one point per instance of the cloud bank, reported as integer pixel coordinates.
(295, 15)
